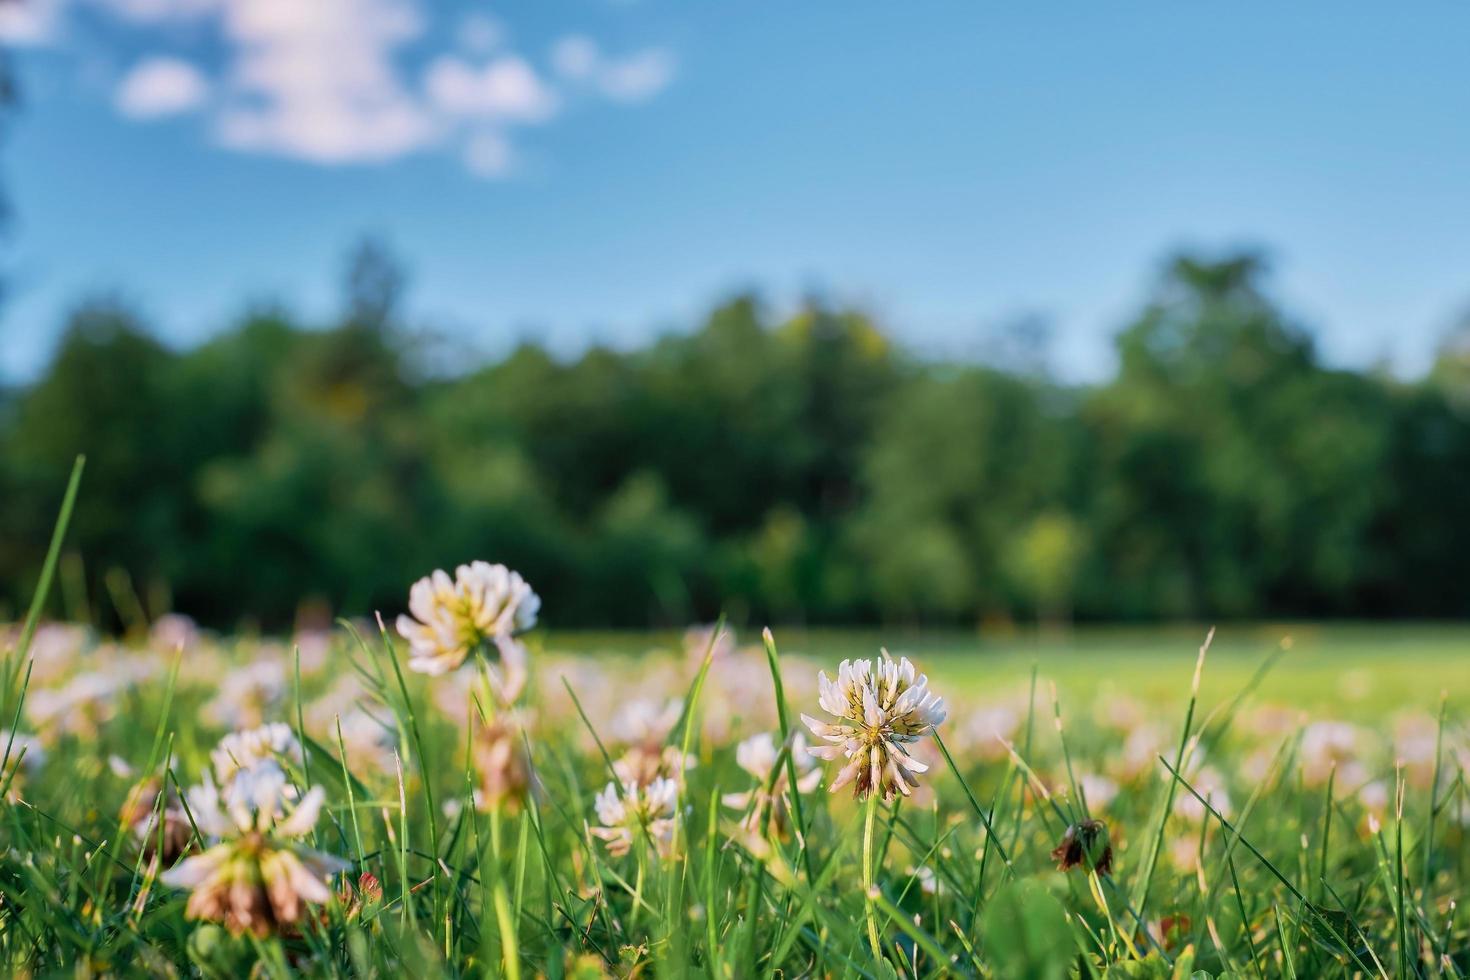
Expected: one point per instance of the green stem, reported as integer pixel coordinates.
(510, 954)
(869, 907)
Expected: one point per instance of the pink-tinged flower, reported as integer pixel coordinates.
(630, 811)
(757, 755)
(880, 710)
(482, 604)
(502, 763)
(257, 879)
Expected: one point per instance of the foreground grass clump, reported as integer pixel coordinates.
(191, 804)
(470, 802)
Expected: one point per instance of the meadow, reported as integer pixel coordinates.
(460, 792)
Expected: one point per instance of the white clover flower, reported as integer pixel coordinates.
(173, 631)
(1099, 790)
(757, 755)
(642, 764)
(450, 617)
(79, 707)
(248, 749)
(630, 811)
(647, 722)
(249, 693)
(880, 710)
(1207, 782)
(257, 878)
(501, 762)
(1329, 745)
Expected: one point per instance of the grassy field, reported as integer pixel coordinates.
(462, 794)
(628, 809)
(1355, 670)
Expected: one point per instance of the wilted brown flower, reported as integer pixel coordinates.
(1086, 846)
(153, 825)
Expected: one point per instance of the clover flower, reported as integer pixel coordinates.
(642, 764)
(629, 811)
(647, 722)
(483, 603)
(501, 761)
(257, 879)
(249, 748)
(757, 755)
(880, 710)
(249, 693)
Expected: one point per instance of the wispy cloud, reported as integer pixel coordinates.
(349, 81)
(633, 78)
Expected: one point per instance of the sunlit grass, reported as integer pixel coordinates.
(1291, 804)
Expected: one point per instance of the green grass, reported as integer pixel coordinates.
(1235, 816)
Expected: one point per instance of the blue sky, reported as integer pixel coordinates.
(599, 171)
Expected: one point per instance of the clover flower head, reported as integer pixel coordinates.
(483, 603)
(502, 763)
(257, 878)
(628, 811)
(249, 748)
(880, 709)
(646, 721)
(642, 764)
(757, 755)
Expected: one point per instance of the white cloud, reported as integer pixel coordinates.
(347, 81)
(317, 80)
(161, 86)
(30, 22)
(635, 78)
(507, 88)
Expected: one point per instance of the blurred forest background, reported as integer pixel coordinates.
(793, 469)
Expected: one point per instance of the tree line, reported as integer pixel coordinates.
(800, 468)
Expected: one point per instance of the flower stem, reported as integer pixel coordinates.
(868, 884)
(510, 953)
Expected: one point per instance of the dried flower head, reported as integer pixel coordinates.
(630, 811)
(1085, 845)
(880, 709)
(757, 755)
(483, 603)
(257, 879)
(161, 828)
